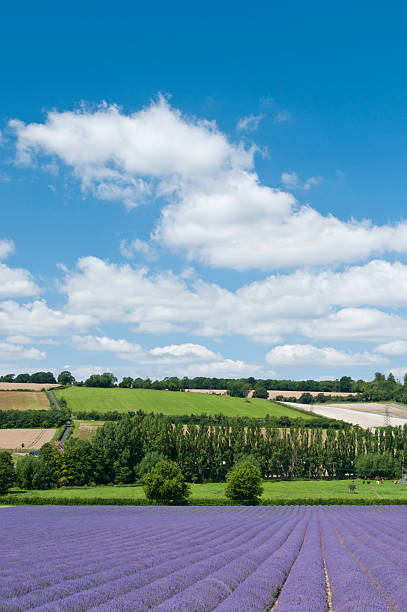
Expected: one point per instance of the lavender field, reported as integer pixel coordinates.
(229, 559)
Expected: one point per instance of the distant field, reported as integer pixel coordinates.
(85, 430)
(13, 400)
(32, 439)
(296, 489)
(172, 403)
(27, 386)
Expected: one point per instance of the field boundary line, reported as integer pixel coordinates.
(327, 583)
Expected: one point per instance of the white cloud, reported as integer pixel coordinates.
(397, 347)
(16, 282)
(182, 359)
(304, 302)
(363, 324)
(37, 319)
(18, 352)
(307, 355)
(291, 180)
(218, 211)
(122, 348)
(185, 351)
(250, 123)
(19, 339)
(6, 248)
(131, 249)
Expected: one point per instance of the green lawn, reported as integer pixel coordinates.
(272, 490)
(172, 403)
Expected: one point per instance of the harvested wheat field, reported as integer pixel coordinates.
(32, 439)
(362, 414)
(13, 400)
(4, 386)
(87, 429)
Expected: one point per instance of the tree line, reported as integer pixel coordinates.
(204, 454)
(27, 419)
(380, 388)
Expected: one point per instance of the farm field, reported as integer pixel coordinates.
(228, 559)
(85, 430)
(12, 400)
(286, 489)
(171, 402)
(4, 386)
(363, 414)
(32, 439)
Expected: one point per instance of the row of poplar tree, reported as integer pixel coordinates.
(207, 453)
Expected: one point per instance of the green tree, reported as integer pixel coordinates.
(243, 484)
(375, 464)
(25, 470)
(260, 391)
(66, 378)
(126, 383)
(6, 471)
(238, 388)
(165, 484)
(51, 457)
(148, 462)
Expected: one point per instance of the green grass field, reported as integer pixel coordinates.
(171, 403)
(272, 490)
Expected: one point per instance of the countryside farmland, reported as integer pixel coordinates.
(15, 400)
(82, 399)
(28, 439)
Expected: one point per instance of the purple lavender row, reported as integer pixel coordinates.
(351, 589)
(53, 573)
(190, 539)
(151, 587)
(103, 587)
(390, 579)
(260, 590)
(210, 591)
(82, 544)
(305, 589)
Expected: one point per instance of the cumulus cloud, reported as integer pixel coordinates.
(6, 248)
(37, 319)
(16, 282)
(307, 355)
(305, 302)
(189, 359)
(397, 347)
(218, 211)
(18, 352)
(185, 351)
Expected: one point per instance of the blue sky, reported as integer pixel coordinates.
(204, 190)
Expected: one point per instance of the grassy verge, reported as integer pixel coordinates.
(81, 399)
(282, 492)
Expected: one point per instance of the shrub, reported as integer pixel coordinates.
(165, 484)
(243, 484)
